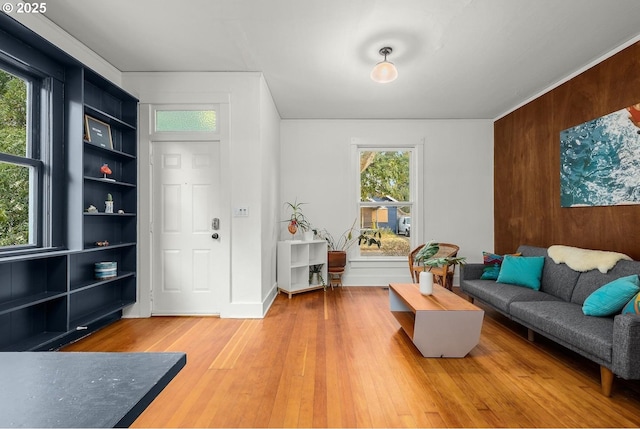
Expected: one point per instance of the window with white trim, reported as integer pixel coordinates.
(386, 199)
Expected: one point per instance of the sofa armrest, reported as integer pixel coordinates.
(471, 271)
(626, 346)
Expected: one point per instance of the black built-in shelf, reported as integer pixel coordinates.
(51, 297)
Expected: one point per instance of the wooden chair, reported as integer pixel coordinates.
(441, 275)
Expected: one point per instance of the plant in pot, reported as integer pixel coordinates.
(297, 220)
(315, 275)
(427, 257)
(337, 248)
(108, 204)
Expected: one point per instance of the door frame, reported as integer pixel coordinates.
(220, 102)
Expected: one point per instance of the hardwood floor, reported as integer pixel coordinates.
(339, 359)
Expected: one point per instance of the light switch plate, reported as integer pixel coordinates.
(241, 211)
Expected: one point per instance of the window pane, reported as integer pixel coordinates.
(185, 120)
(384, 175)
(385, 221)
(15, 183)
(13, 115)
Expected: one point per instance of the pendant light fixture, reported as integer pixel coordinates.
(384, 71)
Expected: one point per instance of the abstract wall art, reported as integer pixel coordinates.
(600, 161)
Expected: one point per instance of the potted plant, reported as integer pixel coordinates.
(108, 204)
(315, 275)
(337, 249)
(425, 257)
(297, 220)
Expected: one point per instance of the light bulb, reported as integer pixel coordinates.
(384, 72)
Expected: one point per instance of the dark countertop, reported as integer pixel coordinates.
(61, 389)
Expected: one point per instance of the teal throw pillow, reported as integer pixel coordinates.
(612, 297)
(522, 271)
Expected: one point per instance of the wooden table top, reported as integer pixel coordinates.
(441, 299)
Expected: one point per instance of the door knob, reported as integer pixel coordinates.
(215, 236)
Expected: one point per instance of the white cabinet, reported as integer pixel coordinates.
(296, 263)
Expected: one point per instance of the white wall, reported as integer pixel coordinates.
(270, 191)
(252, 139)
(457, 192)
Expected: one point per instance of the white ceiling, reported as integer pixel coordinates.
(455, 58)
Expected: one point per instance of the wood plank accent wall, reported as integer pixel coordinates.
(527, 164)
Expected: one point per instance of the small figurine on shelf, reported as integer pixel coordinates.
(92, 209)
(106, 170)
(108, 205)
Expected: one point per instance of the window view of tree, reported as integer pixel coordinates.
(14, 176)
(385, 200)
(384, 175)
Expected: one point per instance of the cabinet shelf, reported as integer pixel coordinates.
(106, 117)
(35, 342)
(108, 152)
(33, 254)
(28, 301)
(94, 283)
(109, 182)
(110, 214)
(91, 247)
(109, 247)
(99, 313)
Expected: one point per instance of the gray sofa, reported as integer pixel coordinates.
(555, 311)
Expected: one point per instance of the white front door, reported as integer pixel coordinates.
(188, 244)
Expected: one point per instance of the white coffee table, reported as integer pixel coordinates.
(440, 325)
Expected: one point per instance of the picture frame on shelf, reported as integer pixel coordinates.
(97, 132)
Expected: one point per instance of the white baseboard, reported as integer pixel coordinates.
(250, 310)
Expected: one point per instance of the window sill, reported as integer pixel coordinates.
(30, 252)
(391, 261)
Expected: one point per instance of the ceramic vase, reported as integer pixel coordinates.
(292, 228)
(108, 206)
(426, 283)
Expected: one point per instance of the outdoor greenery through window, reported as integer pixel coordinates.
(385, 200)
(17, 168)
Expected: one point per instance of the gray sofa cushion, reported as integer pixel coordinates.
(592, 280)
(557, 279)
(526, 250)
(501, 295)
(565, 322)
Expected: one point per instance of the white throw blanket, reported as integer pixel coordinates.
(585, 259)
